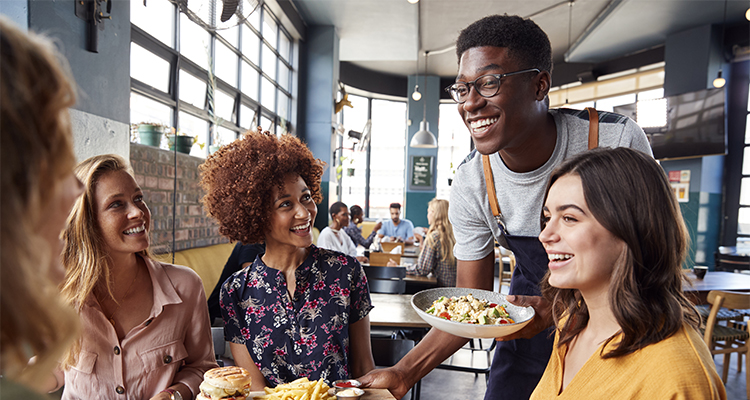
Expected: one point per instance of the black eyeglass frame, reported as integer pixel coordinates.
(499, 78)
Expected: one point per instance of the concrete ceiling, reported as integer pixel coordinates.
(391, 36)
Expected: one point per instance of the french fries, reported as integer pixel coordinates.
(301, 389)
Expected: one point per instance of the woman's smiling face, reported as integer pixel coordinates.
(292, 212)
(122, 215)
(582, 253)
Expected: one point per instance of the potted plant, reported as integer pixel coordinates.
(181, 142)
(149, 133)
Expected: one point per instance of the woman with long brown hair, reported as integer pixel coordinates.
(436, 250)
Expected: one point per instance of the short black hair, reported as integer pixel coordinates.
(523, 38)
(336, 207)
(355, 210)
(395, 205)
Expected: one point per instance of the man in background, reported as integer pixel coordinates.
(397, 229)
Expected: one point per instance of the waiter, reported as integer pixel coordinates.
(504, 76)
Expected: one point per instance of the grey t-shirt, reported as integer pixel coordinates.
(520, 195)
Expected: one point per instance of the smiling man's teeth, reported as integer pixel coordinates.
(135, 230)
(482, 123)
(301, 227)
(559, 257)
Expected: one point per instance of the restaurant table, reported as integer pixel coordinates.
(714, 280)
(394, 310)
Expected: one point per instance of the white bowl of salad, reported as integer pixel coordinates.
(470, 313)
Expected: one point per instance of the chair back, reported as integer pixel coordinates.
(378, 272)
(719, 299)
(731, 262)
(381, 259)
(389, 280)
(217, 334)
(387, 352)
(387, 286)
(389, 246)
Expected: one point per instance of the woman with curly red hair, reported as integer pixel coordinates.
(297, 310)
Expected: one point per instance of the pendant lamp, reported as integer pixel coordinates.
(424, 138)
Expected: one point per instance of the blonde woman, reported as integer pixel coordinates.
(436, 255)
(145, 327)
(38, 190)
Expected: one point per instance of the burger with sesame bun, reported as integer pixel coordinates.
(225, 383)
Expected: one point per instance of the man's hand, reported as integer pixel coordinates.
(378, 226)
(385, 378)
(542, 316)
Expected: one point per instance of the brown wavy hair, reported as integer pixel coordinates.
(239, 180)
(442, 225)
(629, 194)
(37, 153)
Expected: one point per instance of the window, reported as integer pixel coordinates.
(388, 143)
(743, 214)
(252, 64)
(454, 144)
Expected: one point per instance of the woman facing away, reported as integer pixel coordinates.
(146, 332)
(333, 237)
(616, 242)
(298, 310)
(38, 191)
(436, 254)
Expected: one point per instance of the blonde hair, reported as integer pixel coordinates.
(37, 153)
(444, 229)
(85, 257)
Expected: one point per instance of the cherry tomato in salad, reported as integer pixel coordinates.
(445, 315)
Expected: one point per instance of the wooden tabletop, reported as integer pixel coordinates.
(394, 310)
(714, 280)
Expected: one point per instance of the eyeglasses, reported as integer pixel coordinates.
(486, 85)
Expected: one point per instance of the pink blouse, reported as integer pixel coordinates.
(173, 345)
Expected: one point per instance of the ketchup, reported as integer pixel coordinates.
(345, 384)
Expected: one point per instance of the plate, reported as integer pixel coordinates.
(424, 299)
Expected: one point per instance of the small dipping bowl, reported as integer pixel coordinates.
(351, 393)
(700, 271)
(343, 384)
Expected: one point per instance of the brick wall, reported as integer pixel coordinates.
(155, 173)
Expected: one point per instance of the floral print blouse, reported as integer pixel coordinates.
(306, 335)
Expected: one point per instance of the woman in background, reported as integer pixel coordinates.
(436, 254)
(616, 241)
(332, 237)
(355, 232)
(298, 310)
(38, 190)
(146, 332)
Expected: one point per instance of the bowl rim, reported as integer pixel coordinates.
(464, 324)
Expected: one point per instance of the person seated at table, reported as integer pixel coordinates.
(355, 232)
(145, 328)
(332, 237)
(436, 254)
(298, 310)
(242, 256)
(397, 229)
(616, 241)
(38, 191)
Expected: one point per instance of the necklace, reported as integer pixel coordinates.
(111, 317)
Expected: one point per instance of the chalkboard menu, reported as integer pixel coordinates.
(422, 169)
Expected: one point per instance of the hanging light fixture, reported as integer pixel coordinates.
(413, 1)
(416, 96)
(719, 82)
(424, 138)
(570, 29)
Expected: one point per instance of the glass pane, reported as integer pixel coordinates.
(226, 64)
(266, 124)
(284, 46)
(157, 20)
(581, 106)
(283, 76)
(254, 18)
(192, 89)
(388, 143)
(226, 136)
(232, 35)
(743, 221)
(224, 106)
(651, 113)
(249, 81)
(250, 45)
(282, 105)
(203, 9)
(651, 94)
(609, 103)
(745, 192)
(143, 109)
(353, 169)
(268, 64)
(194, 42)
(747, 130)
(193, 126)
(454, 144)
(269, 29)
(268, 94)
(149, 68)
(247, 117)
(746, 161)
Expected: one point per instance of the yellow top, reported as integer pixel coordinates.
(679, 367)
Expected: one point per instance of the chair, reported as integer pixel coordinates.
(381, 259)
(731, 262)
(722, 339)
(388, 280)
(217, 334)
(458, 361)
(387, 352)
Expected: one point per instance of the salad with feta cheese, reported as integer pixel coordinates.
(469, 310)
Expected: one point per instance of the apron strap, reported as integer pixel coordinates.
(489, 181)
(593, 128)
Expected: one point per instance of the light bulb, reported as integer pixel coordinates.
(416, 96)
(747, 14)
(413, 1)
(719, 82)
